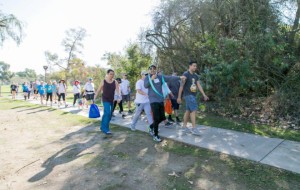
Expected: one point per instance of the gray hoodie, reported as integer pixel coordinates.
(153, 96)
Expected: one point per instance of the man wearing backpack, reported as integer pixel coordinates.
(155, 83)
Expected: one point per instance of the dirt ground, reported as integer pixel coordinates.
(42, 148)
(41, 151)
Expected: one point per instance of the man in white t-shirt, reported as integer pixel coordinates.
(141, 102)
(125, 91)
(89, 89)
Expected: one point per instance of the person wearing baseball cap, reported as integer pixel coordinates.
(154, 83)
(141, 102)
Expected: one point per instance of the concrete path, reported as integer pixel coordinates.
(275, 152)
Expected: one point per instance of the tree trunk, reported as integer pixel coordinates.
(296, 24)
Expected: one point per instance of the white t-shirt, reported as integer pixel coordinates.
(140, 99)
(76, 89)
(61, 88)
(124, 86)
(89, 88)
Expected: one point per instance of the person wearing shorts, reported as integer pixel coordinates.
(125, 91)
(89, 89)
(62, 89)
(189, 89)
(13, 90)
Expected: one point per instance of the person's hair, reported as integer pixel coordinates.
(192, 62)
(110, 70)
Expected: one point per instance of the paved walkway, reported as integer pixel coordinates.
(276, 152)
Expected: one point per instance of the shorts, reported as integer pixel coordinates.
(191, 103)
(89, 96)
(126, 98)
(175, 105)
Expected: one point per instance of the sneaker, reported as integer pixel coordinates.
(151, 131)
(170, 119)
(108, 133)
(132, 128)
(157, 139)
(168, 125)
(186, 130)
(195, 131)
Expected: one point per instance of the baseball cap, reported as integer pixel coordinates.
(152, 65)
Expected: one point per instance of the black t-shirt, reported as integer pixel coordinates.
(13, 87)
(189, 81)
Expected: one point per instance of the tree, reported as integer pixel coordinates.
(5, 73)
(10, 27)
(73, 45)
(29, 74)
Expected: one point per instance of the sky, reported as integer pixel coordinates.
(110, 25)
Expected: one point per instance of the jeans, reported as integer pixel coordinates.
(139, 108)
(106, 116)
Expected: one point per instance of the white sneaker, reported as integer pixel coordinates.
(187, 130)
(195, 131)
(157, 139)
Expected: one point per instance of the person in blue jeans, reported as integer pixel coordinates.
(107, 88)
(189, 89)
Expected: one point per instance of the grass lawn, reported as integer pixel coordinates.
(82, 158)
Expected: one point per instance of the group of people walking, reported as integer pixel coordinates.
(151, 91)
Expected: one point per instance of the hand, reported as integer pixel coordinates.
(183, 78)
(153, 76)
(205, 98)
(179, 100)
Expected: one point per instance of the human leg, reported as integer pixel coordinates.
(106, 117)
(139, 108)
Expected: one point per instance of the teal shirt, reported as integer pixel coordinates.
(41, 89)
(48, 88)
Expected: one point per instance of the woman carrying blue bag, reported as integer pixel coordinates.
(94, 111)
(107, 88)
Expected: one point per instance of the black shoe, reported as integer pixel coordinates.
(170, 119)
(178, 120)
(168, 125)
(130, 111)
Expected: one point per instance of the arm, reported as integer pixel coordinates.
(202, 91)
(118, 90)
(146, 82)
(180, 91)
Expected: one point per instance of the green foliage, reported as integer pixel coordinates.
(5, 73)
